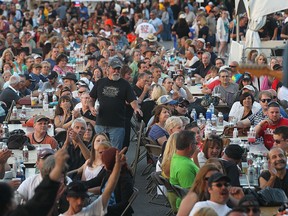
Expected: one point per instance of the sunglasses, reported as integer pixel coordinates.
(206, 178)
(199, 53)
(265, 100)
(219, 185)
(182, 105)
(254, 209)
(232, 66)
(277, 141)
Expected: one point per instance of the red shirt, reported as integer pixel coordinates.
(267, 132)
(213, 84)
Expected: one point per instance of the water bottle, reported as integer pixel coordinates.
(214, 120)
(14, 112)
(54, 98)
(251, 174)
(25, 153)
(20, 174)
(220, 119)
(249, 158)
(22, 166)
(23, 111)
(265, 164)
(40, 97)
(193, 115)
(235, 133)
(211, 107)
(5, 129)
(207, 130)
(45, 98)
(15, 167)
(208, 114)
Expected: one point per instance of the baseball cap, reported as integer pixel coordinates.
(37, 56)
(39, 118)
(115, 63)
(246, 76)
(234, 151)
(182, 16)
(45, 152)
(216, 177)
(29, 77)
(70, 76)
(52, 75)
(183, 101)
(224, 67)
(89, 73)
(92, 57)
(201, 39)
(77, 189)
(166, 99)
(249, 87)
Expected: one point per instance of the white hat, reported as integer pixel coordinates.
(201, 39)
(125, 10)
(182, 16)
(18, 7)
(210, 3)
(249, 87)
(151, 38)
(224, 67)
(201, 8)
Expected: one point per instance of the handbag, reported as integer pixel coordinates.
(268, 196)
(17, 139)
(272, 197)
(228, 131)
(208, 99)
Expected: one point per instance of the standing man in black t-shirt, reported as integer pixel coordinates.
(112, 93)
(276, 176)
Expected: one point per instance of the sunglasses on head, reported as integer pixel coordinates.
(219, 184)
(265, 100)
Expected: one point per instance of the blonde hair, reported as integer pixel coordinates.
(170, 149)
(206, 211)
(157, 91)
(263, 55)
(172, 122)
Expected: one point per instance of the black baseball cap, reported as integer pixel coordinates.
(70, 76)
(29, 77)
(52, 75)
(216, 177)
(77, 189)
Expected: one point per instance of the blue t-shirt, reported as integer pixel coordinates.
(156, 132)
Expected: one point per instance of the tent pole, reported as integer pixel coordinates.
(237, 28)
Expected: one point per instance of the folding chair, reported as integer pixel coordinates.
(131, 200)
(135, 126)
(172, 194)
(153, 154)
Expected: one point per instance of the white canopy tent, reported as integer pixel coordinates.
(256, 11)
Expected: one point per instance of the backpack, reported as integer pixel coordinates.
(17, 139)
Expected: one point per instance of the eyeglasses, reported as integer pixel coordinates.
(224, 76)
(268, 100)
(206, 178)
(111, 50)
(182, 106)
(274, 97)
(232, 66)
(254, 209)
(219, 185)
(278, 141)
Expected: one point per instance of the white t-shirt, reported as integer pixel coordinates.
(283, 93)
(27, 187)
(192, 61)
(144, 29)
(220, 209)
(94, 209)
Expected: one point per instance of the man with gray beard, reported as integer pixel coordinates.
(112, 93)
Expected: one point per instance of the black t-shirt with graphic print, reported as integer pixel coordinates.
(112, 96)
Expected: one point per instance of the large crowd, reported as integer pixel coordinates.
(103, 64)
